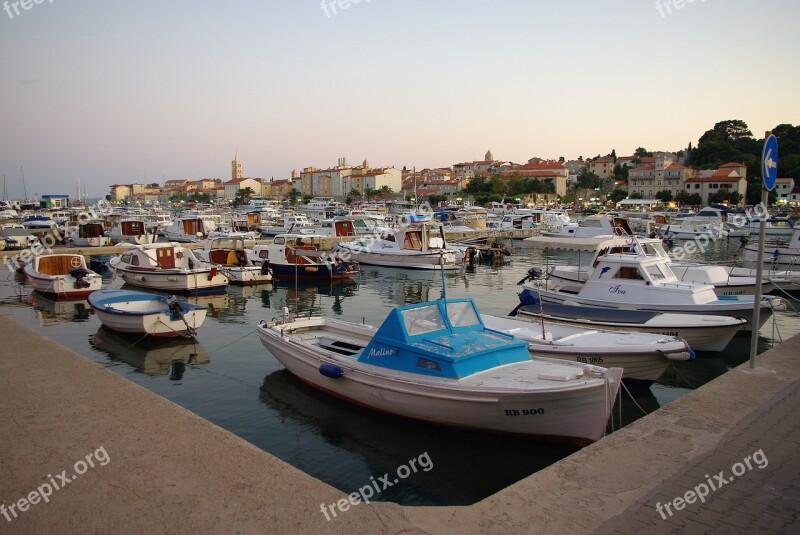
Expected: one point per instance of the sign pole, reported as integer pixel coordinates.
(769, 174)
(762, 231)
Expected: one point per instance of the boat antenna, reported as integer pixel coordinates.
(441, 268)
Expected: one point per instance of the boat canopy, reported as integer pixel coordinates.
(444, 338)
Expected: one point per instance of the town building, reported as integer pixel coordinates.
(602, 167)
(731, 176)
(647, 180)
(236, 167)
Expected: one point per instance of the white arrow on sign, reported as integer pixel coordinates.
(769, 162)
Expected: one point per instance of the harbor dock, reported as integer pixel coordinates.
(167, 470)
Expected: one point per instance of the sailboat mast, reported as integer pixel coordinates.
(24, 189)
(415, 187)
(5, 189)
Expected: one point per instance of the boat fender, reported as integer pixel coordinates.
(213, 273)
(329, 370)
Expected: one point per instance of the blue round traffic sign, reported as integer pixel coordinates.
(769, 162)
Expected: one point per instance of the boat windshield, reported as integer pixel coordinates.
(462, 314)
(423, 320)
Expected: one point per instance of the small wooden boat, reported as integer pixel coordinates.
(145, 313)
(64, 276)
(436, 361)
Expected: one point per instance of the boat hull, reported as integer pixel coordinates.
(62, 286)
(188, 282)
(643, 363)
(725, 306)
(157, 324)
(575, 416)
(414, 261)
(702, 333)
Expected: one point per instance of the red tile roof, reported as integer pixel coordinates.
(714, 178)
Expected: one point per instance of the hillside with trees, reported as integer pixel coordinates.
(732, 141)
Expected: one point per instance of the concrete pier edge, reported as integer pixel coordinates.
(172, 471)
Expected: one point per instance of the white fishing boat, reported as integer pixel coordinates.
(437, 362)
(64, 276)
(701, 332)
(16, 236)
(236, 228)
(231, 255)
(145, 313)
(168, 267)
(89, 233)
(408, 246)
(644, 283)
(726, 280)
(346, 226)
(780, 254)
(295, 257)
(289, 223)
(643, 356)
(775, 228)
(189, 229)
(134, 231)
(595, 225)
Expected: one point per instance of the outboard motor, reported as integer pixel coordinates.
(265, 270)
(534, 273)
(81, 277)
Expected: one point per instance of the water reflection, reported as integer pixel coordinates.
(51, 311)
(359, 443)
(305, 297)
(151, 356)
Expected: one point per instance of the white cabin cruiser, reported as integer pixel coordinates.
(410, 247)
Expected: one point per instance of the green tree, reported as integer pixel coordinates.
(243, 196)
(664, 195)
(369, 193)
(635, 195)
(354, 194)
(385, 192)
(694, 199)
(617, 194)
(727, 131)
(293, 195)
(621, 172)
(588, 180)
(434, 199)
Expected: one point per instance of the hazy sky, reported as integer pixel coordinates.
(111, 91)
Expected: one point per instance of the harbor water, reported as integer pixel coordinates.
(230, 379)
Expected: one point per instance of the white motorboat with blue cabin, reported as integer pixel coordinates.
(437, 362)
(146, 313)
